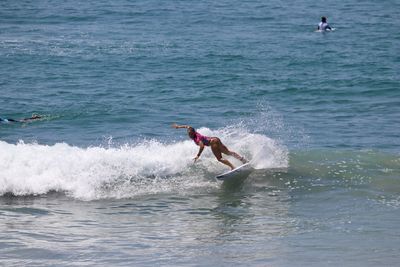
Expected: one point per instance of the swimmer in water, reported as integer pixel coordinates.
(34, 117)
(214, 142)
(323, 25)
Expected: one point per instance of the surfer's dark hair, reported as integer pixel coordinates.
(191, 130)
(323, 19)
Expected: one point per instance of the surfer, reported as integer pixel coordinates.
(217, 147)
(323, 25)
(34, 117)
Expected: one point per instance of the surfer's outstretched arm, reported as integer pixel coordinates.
(34, 117)
(200, 151)
(176, 126)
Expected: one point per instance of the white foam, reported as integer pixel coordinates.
(148, 167)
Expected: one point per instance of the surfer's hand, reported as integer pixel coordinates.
(196, 158)
(174, 125)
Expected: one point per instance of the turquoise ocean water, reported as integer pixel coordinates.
(103, 180)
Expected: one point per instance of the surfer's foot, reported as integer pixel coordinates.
(243, 160)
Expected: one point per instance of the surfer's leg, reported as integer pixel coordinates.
(215, 148)
(226, 151)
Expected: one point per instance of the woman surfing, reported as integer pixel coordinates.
(217, 147)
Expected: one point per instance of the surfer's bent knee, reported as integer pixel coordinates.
(220, 159)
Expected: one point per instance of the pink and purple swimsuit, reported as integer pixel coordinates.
(198, 137)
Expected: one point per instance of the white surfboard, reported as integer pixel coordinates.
(240, 171)
(327, 30)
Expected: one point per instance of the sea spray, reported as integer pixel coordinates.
(145, 167)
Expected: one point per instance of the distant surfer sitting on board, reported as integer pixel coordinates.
(323, 25)
(34, 117)
(214, 142)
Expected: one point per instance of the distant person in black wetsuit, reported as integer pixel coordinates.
(34, 117)
(323, 25)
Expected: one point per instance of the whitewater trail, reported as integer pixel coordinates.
(146, 167)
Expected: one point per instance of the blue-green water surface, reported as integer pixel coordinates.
(103, 180)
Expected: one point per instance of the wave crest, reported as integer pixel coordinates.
(147, 167)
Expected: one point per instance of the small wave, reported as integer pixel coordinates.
(147, 167)
(373, 173)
